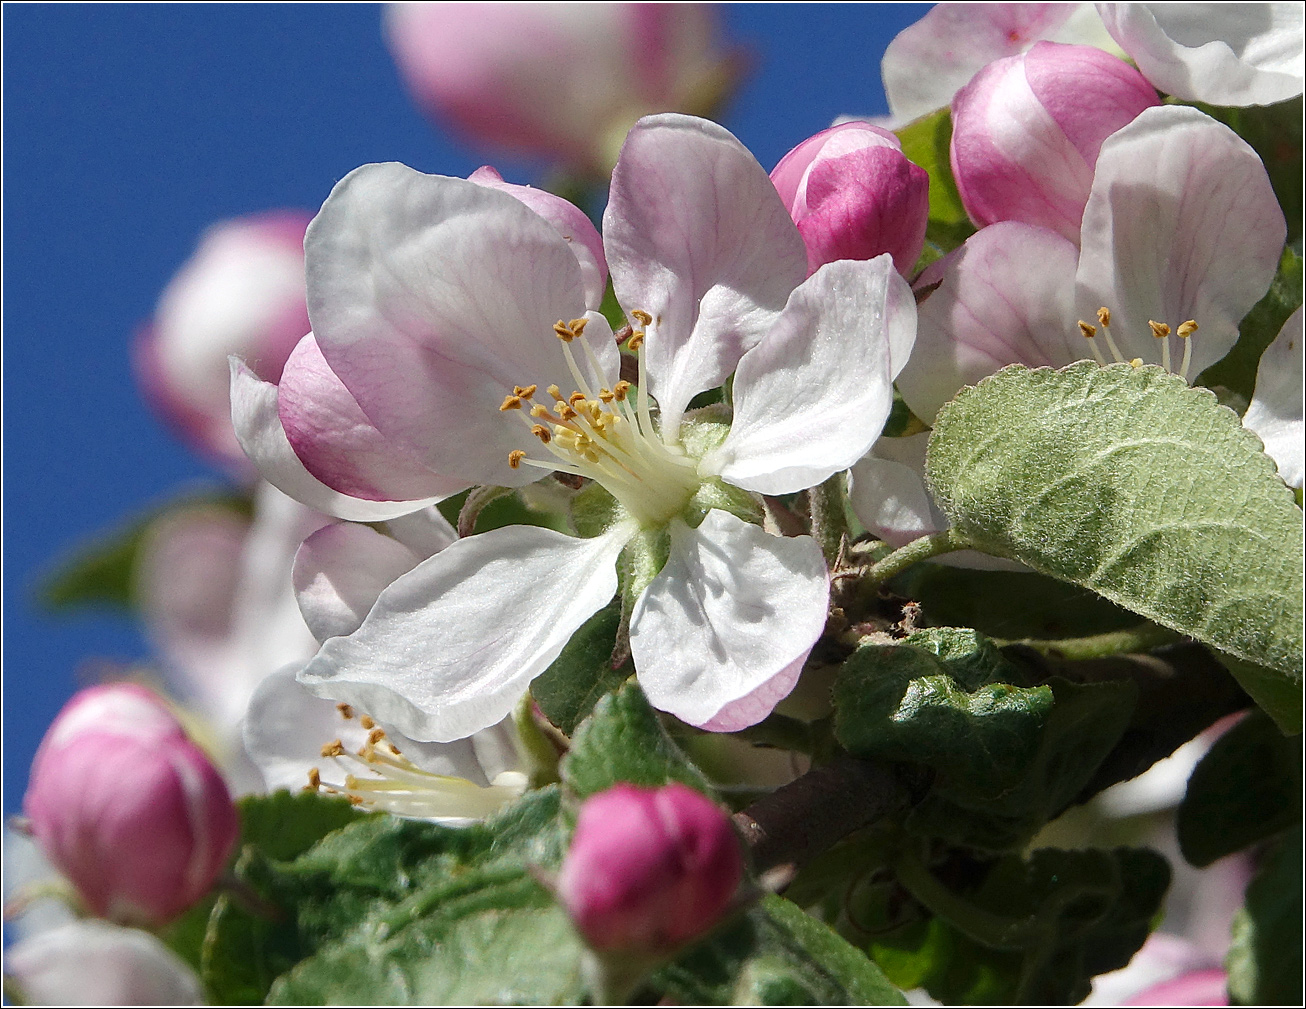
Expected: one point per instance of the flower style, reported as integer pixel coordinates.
(455, 320)
(1181, 236)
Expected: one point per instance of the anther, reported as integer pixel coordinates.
(554, 392)
(367, 722)
(524, 391)
(1159, 329)
(1187, 329)
(563, 331)
(606, 395)
(1136, 363)
(643, 318)
(564, 410)
(577, 326)
(539, 410)
(375, 736)
(1088, 331)
(335, 748)
(345, 710)
(510, 403)
(575, 397)
(314, 778)
(515, 457)
(621, 390)
(1104, 316)
(636, 341)
(541, 432)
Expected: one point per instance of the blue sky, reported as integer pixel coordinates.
(127, 130)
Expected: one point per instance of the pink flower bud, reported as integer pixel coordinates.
(561, 80)
(1027, 129)
(854, 195)
(127, 807)
(241, 293)
(649, 868)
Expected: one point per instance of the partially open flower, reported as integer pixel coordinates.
(649, 869)
(127, 807)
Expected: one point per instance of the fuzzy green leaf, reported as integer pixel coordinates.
(568, 690)
(1127, 482)
(1265, 960)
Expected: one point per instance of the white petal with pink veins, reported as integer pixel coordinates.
(733, 609)
(340, 570)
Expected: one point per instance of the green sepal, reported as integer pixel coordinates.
(582, 673)
(926, 142)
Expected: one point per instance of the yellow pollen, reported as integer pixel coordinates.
(575, 397)
(606, 395)
(333, 749)
(577, 326)
(1104, 316)
(515, 457)
(564, 410)
(314, 778)
(1136, 363)
(541, 432)
(643, 318)
(554, 392)
(1088, 331)
(366, 722)
(510, 403)
(524, 391)
(345, 710)
(620, 390)
(1187, 329)
(563, 331)
(636, 341)
(375, 736)
(1159, 329)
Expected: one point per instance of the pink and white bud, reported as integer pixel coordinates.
(561, 80)
(649, 869)
(1027, 129)
(241, 293)
(854, 195)
(127, 807)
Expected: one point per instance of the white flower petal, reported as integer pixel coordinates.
(449, 647)
(1181, 223)
(733, 608)
(812, 397)
(1005, 297)
(887, 491)
(259, 430)
(424, 532)
(1221, 53)
(340, 570)
(1275, 413)
(697, 236)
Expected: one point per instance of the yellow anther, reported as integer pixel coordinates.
(577, 326)
(636, 340)
(621, 390)
(314, 778)
(1088, 331)
(335, 748)
(510, 403)
(345, 710)
(564, 332)
(1159, 329)
(564, 411)
(375, 736)
(524, 391)
(515, 457)
(1187, 329)
(1104, 316)
(541, 432)
(367, 722)
(575, 397)
(606, 395)
(554, 392)
(1136, 362)
(539, 410)
(643, 318)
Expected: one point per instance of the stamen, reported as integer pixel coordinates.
(524, 391)
(621, 390)
(314, 778)
(345, 710)
(642, 317)
(577, 326)
(554, 392)
(510, 403)
(1187, 329)
(515, 458)
(1162, 332)
(335, 748)
(541, 432)
(636, 341)
(1104, 320)
(1104, 316)
(564, 332)
(366, 722)
(1090, 332)
(576, 397)
(1136, 363)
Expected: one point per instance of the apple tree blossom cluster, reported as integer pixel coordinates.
(880, 574)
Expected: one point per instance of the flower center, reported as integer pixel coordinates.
(606, 435)
(379, 777)
(1160, 330)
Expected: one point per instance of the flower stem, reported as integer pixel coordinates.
(1142, 638)
(477, 500)
(917, 550)
(829, 516)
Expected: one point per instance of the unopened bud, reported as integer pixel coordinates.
(649, 869)
(854, 195)
(127, 807)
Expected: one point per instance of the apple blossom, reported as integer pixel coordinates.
(854, 195)
(453, 317)
(929, 61)
(1220, 53)
(561, 80)
(1181, 236)
(97, 963)
(649, 869)
(1027, 129)
(127, 807)
(1275, 412)
(242, 292)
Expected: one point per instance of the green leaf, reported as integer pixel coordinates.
(1276, 694)
(775, 955)
(1246, 788)
(623, 740)
(925, 142)
(284, 825)
(1127, 482)
(1237, 369)
(568, 690)
(102, 571)
(931, 954)
(1009, 604)
(1265, 960)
